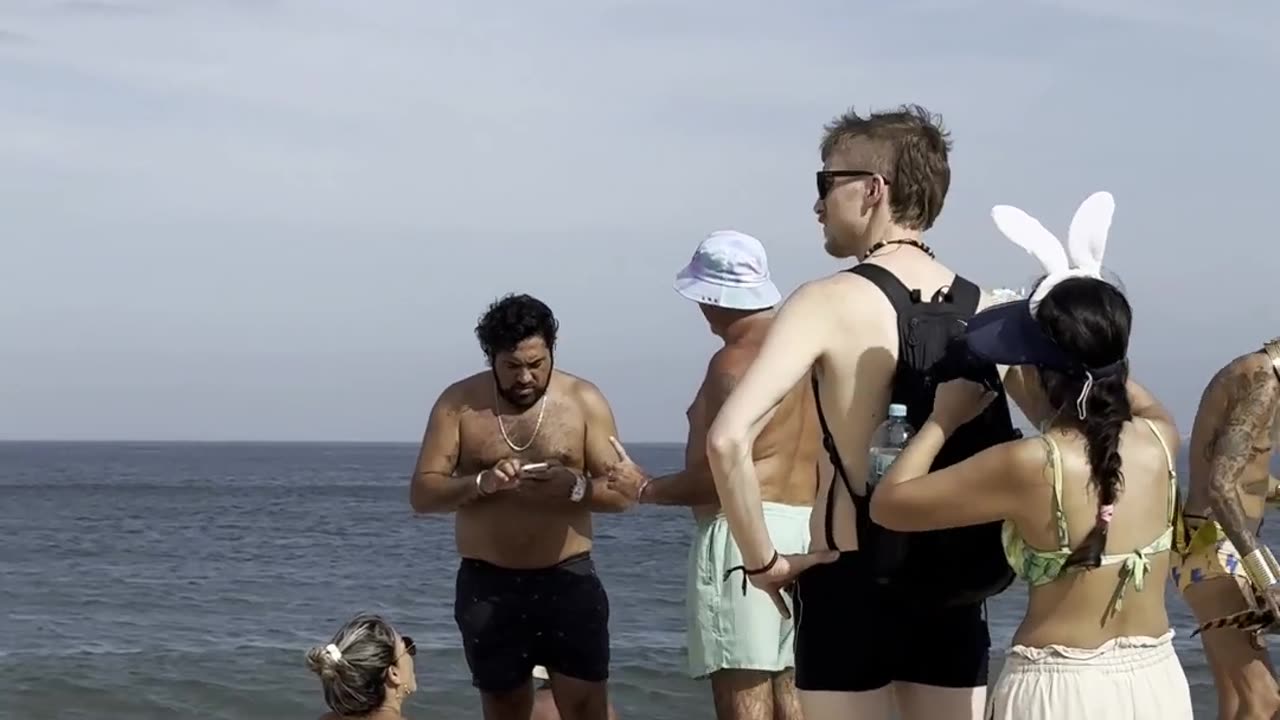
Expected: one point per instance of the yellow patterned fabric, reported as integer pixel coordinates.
(1206, 555)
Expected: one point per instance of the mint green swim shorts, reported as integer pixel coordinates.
(726, 629)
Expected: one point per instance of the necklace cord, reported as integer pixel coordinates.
(910, 242)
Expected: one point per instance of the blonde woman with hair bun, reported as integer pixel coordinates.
(366, 670)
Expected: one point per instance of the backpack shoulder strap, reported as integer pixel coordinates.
(898, 294)
(828, 441)
(965, 295)
(837, 468)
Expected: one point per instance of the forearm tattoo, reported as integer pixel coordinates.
(1243, 435)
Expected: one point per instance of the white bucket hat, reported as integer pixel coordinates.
(729, 270)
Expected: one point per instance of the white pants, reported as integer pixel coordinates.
(1128, 678)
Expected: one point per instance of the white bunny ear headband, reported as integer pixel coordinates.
(1009, 334)
(1086, 241)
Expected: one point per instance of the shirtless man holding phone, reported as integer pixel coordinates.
(523, 454)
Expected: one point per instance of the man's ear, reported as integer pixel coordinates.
(877, 189)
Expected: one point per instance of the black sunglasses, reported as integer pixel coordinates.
(827, 178)
(409, 648)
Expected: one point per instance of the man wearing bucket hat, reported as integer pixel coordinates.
(729, 271)
(738, 638)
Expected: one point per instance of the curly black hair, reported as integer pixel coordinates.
(512, 319)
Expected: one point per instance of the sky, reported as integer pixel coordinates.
(280, 220)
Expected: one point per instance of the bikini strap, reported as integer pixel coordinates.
(1055, 462)
(1173, 470)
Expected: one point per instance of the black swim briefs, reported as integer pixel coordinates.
(852, 637)
(512, 620)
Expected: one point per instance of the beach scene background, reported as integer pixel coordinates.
(146, 581)
(279, 221)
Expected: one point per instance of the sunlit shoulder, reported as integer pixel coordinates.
(841, 298)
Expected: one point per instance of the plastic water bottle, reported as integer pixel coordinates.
(887, 443)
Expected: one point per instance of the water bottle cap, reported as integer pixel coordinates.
(897, 410)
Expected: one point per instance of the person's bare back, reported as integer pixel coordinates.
(787, 450)
(787, 453)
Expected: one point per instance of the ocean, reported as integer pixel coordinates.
(147, 581)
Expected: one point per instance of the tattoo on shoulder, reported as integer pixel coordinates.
(1248, 412)
(1241, 435)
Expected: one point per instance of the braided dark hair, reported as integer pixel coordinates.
(1090, 320)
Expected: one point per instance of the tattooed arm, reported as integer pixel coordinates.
(1251, 395)
(694, 485)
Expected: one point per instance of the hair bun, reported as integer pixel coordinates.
(320, 662)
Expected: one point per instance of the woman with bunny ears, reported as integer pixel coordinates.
(1088, 507)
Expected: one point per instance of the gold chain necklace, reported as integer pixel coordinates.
(537, 426)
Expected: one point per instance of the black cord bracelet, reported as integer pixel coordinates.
(745, 572)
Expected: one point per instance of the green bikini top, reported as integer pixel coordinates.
(1039, 567)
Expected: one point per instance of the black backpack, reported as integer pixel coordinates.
(935, 568)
